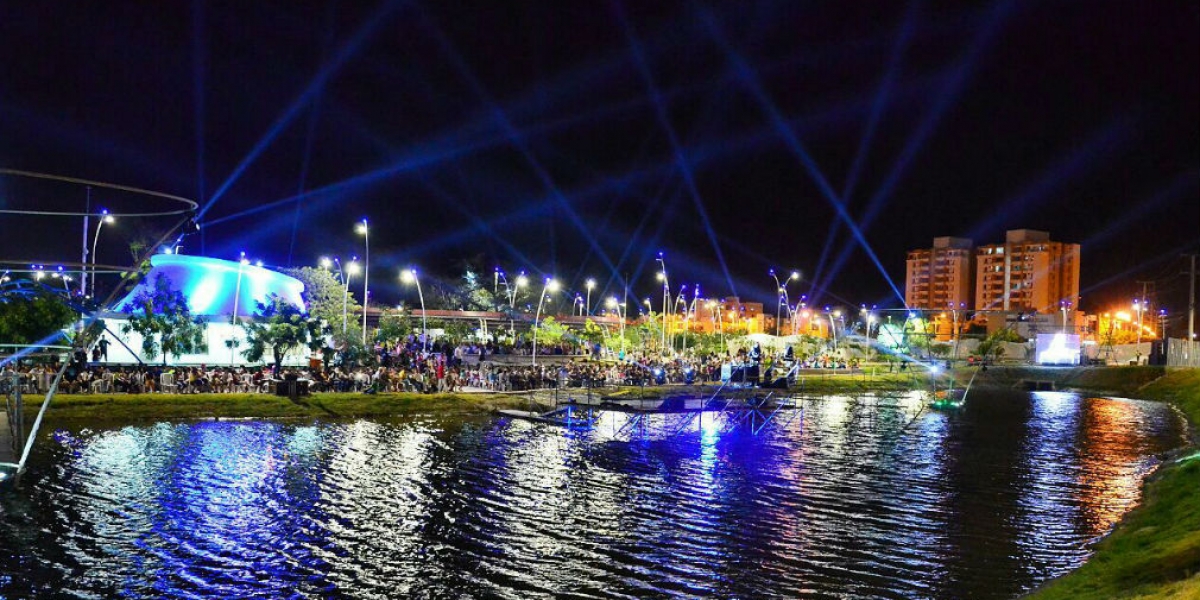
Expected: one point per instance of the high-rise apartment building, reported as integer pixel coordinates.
(940, 277)
(1028, 272)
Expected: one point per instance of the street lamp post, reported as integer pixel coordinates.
(104, 218)
(410, 276)
(83, 282)
(833, 326)
(366, 233)
(662, 276)
(591, 283)
(577, 302)
(237, 294)
(1138, 308)
(327, 263)
(550, 286)
(620, 308)
(351, 269)
(781, 297)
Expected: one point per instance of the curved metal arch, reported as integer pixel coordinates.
(192, 205)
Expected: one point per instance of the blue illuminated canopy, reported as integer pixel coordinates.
(211, 285)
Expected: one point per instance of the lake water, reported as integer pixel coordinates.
(861, 498)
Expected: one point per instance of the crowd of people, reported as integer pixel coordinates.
(415, 364)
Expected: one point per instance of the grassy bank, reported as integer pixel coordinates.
(1155, 551)
(808, 382)
(138, 407)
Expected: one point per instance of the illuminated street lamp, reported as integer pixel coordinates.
(327, 263)
(781, 297)
(591, 284)
(833, 325)
(662, 276)
(365, 231)
(620, 308)
(237, 294)
(550, 287)
(351, 270)
(410, 276)
(577, 301)
(1138, 308)
(511, 292)
(104, 218)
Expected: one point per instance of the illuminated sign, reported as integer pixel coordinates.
(1057, 349)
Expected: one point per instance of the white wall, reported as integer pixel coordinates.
(216, 333)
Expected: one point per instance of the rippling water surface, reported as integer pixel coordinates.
(862, 498)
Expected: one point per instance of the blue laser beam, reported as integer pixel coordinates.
(344, 54)
(793, 143)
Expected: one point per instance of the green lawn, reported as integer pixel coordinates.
(133, 407)
(1155, 551)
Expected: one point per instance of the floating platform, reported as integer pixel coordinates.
(560, 417)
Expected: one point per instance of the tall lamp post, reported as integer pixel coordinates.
(833, 326)
(662, 276)
(237, 294)
(510, 292)
(351, 270)
(363, 229)
(1138, 308)
(550, 286)
(620, 308)
(104, 218)
(591, 283)
(344, 279)
(410, 276)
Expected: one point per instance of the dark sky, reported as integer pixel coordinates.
(580, 141)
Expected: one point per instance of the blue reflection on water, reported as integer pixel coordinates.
(863, 497)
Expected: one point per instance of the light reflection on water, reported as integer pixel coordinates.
(867, 497)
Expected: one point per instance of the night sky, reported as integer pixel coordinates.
(581, 140)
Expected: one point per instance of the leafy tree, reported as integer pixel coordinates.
(29, 317)
(993, 345)
(550, 331)
(280, 327)
(393, 325)
(475, 295)
(592, 333)
(324, 295)
(161, 316)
